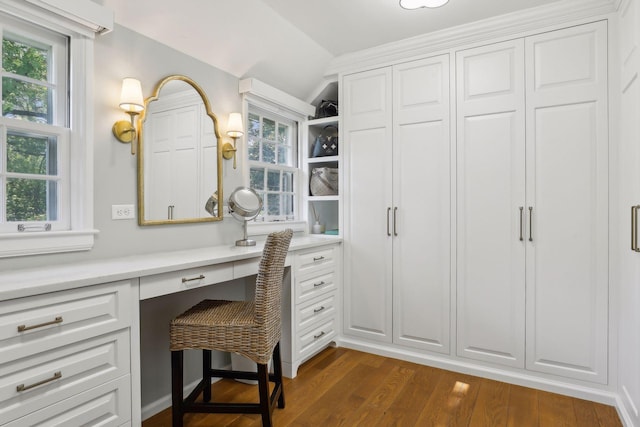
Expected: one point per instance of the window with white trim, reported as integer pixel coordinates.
(46, 133)
(34, 130)
(272, 146)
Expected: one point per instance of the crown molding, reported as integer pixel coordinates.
(515, 23)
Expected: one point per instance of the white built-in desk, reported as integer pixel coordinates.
(70, 334)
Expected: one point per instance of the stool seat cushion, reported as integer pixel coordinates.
(225, 326)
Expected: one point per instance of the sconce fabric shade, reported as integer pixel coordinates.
(131, 99)
(416, 4)
(234, 126)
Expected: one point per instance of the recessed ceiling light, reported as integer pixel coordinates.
(416, 4)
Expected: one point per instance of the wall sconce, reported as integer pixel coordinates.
(235, 130)
(132, 102)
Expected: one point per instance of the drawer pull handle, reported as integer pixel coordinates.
(318, 310)
(22, 328)
(315, 337)
(316, 285)
(56, 376)
(634, 228)
(320, 258)
(185, 280)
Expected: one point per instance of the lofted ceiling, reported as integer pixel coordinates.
(289, 43)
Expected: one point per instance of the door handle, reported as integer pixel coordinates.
(395, 229)
(531, 223)
(521, 223)
(388, 218)
(634, 228)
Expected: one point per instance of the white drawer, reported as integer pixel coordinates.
(34, 324)
(312, 287)
(52, 376)
(106, 405)
(313, 339)
(182, 280)
(316, 311)
(315, 259)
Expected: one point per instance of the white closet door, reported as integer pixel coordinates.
(421, 193)
(366, 109)
(567, 186)
(490, 203)
(627, 178)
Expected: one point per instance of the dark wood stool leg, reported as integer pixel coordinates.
(206, 367)
(277, 371)
(176, 387)
(263, 391)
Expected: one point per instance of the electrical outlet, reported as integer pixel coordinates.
(122, 212)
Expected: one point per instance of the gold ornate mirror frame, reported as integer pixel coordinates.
(209, 212)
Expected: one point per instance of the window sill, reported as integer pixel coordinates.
(36, 243)
(264, 228)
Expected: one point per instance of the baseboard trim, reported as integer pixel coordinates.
(469, 368)
(623, 402)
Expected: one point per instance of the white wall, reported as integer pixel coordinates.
(124, 53)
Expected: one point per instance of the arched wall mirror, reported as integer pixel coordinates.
(179, 156)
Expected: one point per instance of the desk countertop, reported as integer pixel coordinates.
(33, 281)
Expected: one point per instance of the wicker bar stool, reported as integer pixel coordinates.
(250, 328)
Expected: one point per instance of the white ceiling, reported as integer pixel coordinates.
(288, 43)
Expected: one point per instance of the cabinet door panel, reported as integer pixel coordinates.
(627, 177)
(421, 248)
(567, 261)
(490, 192)
(367, 135)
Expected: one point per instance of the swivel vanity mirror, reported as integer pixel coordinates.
(245, 204)
(179, 156)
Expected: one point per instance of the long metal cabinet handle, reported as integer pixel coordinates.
(185, 280)
(531, 223)
(56, 376)
(521, 223)
(388, 215)
(395, 221)
(634, 228)
(22, 328)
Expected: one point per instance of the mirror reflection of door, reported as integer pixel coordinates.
(180, 171)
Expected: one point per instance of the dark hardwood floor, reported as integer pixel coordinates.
(341, 387)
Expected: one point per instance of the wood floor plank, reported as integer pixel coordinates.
(491, 408)
(607, 415)
(452, 401)
(407, 407)
(556, 410)
(586, 415)
(337, 399)
(523, 407)
(341, 387)
(381, 397)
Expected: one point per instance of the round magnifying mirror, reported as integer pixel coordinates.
(245, 204)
